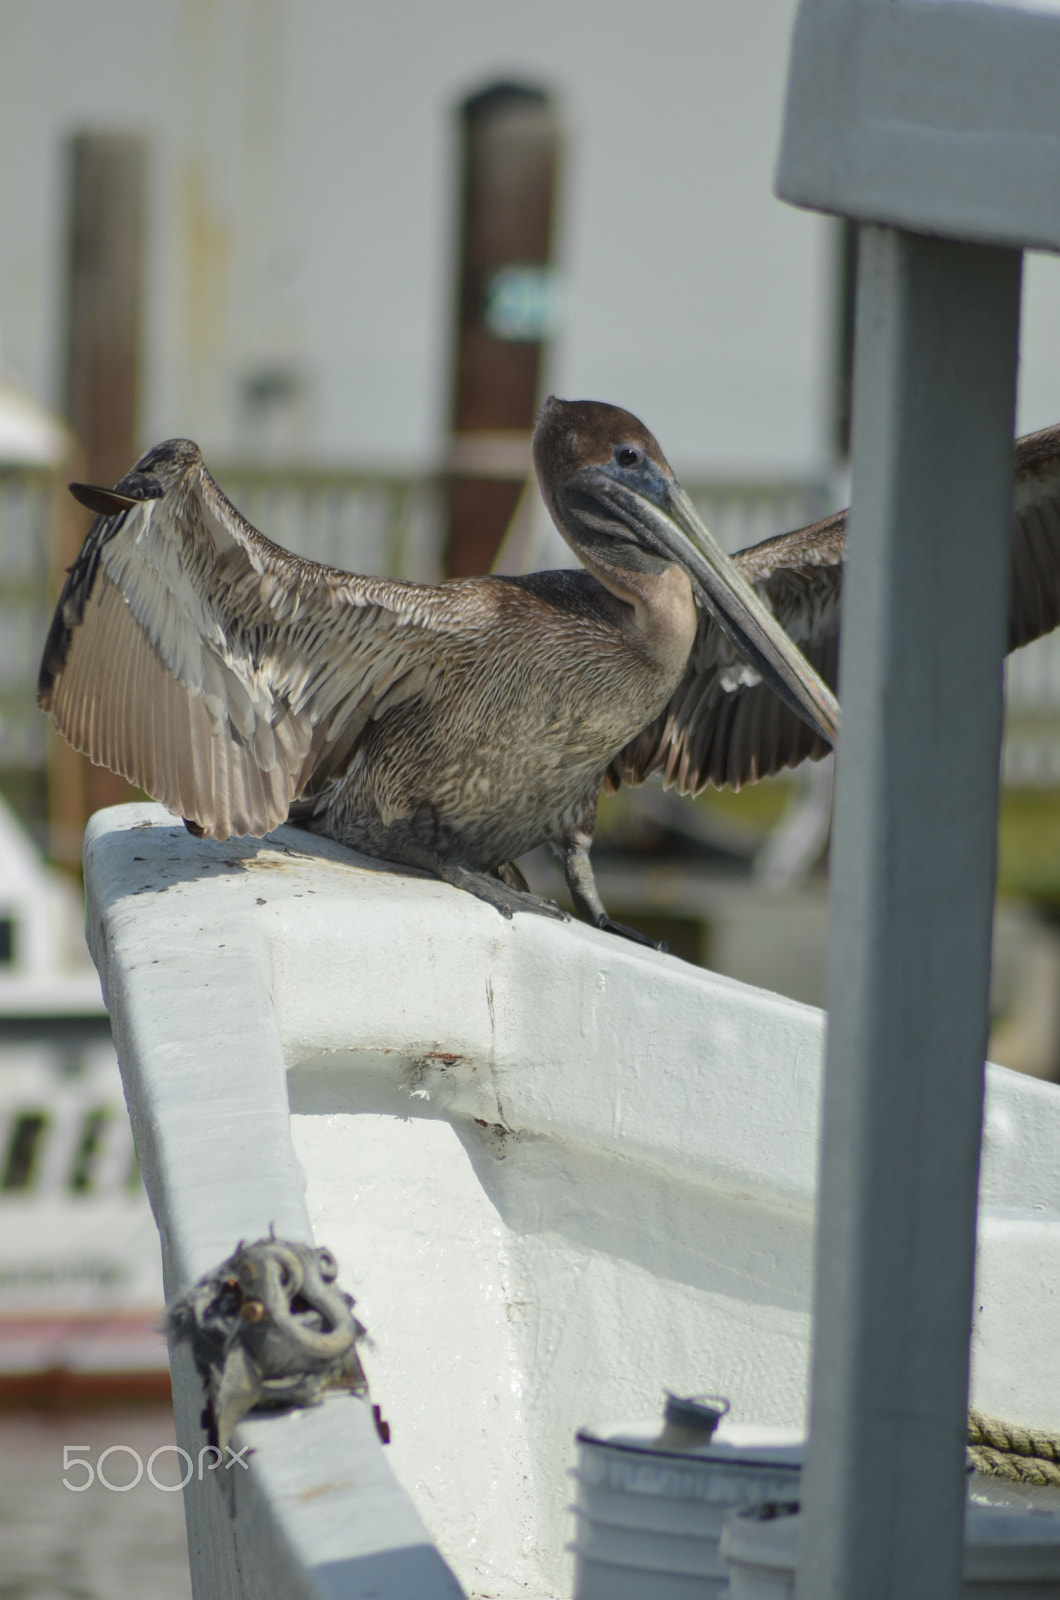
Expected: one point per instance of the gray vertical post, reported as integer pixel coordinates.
(912, 892)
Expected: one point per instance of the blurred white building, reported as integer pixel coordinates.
(302, 187)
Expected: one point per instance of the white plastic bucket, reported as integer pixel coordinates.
(648, 1521)
(1006, 1554)
(758, 1551)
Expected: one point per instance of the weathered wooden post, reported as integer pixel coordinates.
(505, 309)
(104, 319)
(936, 128)
(105, 298)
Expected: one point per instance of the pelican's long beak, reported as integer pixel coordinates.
(733, 603)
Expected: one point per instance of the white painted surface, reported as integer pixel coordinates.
(1007, 1555)
(318, 1512)
(559, 1172)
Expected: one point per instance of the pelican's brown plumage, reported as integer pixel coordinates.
(451, 727)
(724, 727)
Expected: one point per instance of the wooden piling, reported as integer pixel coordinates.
(104, 323)
(505, 292)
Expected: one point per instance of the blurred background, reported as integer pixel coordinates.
(348, 247)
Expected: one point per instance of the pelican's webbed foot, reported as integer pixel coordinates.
(505, 890)
(578, 871)
(497, 893)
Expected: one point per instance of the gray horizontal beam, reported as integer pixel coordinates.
(937, 117)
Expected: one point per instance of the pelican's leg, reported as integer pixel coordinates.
(509, 873)
(577, 868)
(501, 895)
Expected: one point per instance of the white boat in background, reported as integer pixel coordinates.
(80, 1276)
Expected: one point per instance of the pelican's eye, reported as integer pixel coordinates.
(629, 455)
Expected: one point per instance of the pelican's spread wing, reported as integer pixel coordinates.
(723, 727)
(213, 669)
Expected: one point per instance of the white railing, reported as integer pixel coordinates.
(741, 511)
(376, 523)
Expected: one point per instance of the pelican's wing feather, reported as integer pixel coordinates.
(1034, 582)
(723, 727)
(216, 671)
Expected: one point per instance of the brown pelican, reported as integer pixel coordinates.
(450, 728)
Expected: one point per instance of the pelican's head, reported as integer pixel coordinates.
(614, 497)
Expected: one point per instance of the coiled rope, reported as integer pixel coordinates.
(1007, 1450)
